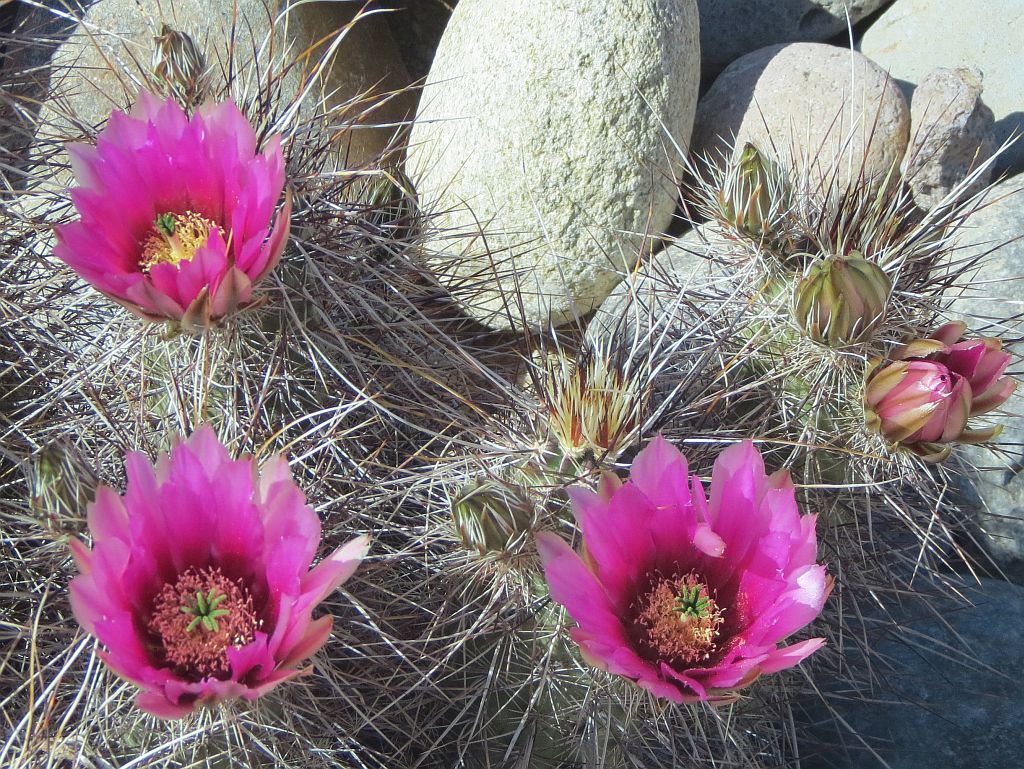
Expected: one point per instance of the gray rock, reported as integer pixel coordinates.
(952, 134)
(914, 37)
(949, 691)
(993, 305)
(829, 109)
(733, 28)
(545, 146)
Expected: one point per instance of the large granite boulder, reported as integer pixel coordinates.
(947, 694)
(546, 148)
(102, 64)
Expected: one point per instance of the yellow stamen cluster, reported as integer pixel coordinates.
(681, 619)
(175, 238)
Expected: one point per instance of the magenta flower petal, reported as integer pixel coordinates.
(611, 538)
(577, 588)
(316, 636)
(176, 213)
(790, 656)
(334, 570)
(202, 523)
(689, 599)
(158, 705)
(661, 474)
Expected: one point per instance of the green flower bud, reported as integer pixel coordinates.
(841, 300)
(493, 517)
(751, 188)
(180, 66)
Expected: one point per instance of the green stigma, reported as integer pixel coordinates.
(690, 603)
(205, 611)
(164, 224)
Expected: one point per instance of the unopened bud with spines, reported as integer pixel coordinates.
(841, 300)
(493, 517)
(181, 67)
(752, 189)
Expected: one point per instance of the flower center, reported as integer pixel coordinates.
(175, 238)
(681, 619)
(199, 617)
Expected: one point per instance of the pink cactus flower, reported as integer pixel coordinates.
(924, 397)
(690, 599)
(176, 214)
(198, 584)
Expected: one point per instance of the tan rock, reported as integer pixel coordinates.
(913, 37)
(829, 109)
(952, 135)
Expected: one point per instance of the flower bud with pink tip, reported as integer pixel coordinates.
(923, 399)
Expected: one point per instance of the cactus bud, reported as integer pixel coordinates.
(841, 300)
(392, 209)
(746, 198)
(61, 484)
(493, 517)
(181, 66)
(923, 399)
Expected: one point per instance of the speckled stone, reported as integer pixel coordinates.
(807, 100)
(654, 293)
(952, 134)
(542, 148)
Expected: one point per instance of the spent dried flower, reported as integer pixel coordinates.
(180, 66)
(595, 406)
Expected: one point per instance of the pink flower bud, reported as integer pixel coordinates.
(917, 400)
(923, 399)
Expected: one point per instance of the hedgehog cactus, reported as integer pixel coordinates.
(873, 272)
(527, 603)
